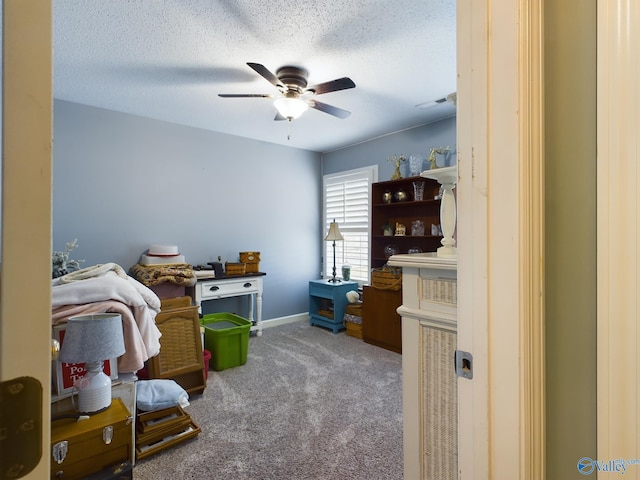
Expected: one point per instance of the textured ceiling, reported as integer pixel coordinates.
(169, 59)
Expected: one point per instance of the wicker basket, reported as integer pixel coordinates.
(326, 313)
(353, 329)
(235, 268)
(252, 260)
(353, 320)
(387, 278)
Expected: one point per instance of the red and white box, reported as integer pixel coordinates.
(64, 375)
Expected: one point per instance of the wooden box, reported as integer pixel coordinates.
(235, 268)
(252, 261)
(79, 449)
(162, 429)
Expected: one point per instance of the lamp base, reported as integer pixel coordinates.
(94, 392)
(334, 280)
(447, 251)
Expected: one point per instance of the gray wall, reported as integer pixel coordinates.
(415, 140)
(123, 182)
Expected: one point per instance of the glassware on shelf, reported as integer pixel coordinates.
(415, 164)
(415, 250)
(391, 249)
(418, 190)
(417, 228)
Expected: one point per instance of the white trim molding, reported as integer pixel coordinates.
(500, 238)
(618, 237)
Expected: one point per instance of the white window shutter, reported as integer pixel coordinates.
(347, 199)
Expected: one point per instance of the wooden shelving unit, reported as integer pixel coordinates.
(405, 212)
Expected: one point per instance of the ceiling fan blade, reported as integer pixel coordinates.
(245, 95)
(330, 109)
(333, 86)
(264, 72)
(279, 117)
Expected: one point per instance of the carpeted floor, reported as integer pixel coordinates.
(308, 404)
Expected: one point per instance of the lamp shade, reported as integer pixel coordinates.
(334, 233)
(290, 107)
(92, 338)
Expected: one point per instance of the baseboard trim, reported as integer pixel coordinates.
(274, 322)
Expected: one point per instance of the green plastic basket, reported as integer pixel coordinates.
(226, 336)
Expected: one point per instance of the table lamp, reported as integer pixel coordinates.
(91, 339)
(333, 235)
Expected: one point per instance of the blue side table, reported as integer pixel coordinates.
(326, 297)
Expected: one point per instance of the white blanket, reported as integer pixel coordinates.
(106, 284)
(111, 270)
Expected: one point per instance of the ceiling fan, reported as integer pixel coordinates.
(295, 95)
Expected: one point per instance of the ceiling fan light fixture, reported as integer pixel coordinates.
(290, 107)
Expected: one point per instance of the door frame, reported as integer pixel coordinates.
(618, 237)
(25, 275)
(500, 197)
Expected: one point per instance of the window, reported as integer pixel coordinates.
(347, 199)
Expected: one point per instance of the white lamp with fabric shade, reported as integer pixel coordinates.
(91, 339)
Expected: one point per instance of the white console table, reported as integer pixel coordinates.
(232, 286)
(429, 386)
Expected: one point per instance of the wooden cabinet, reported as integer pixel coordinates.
(181, 355)
(102, 443)
(381, 324)
(405, 212)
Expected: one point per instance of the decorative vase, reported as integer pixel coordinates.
(415, 164)
(417, 228)
(400, 196)
(387, 196)
(396, 173)
(346, 272)
(418, 191)
(391, 250)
